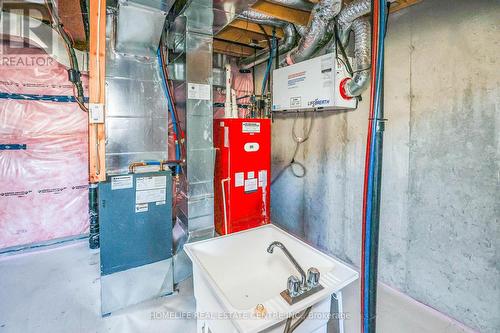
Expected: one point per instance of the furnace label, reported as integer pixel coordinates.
(121, 182)
(250, 127)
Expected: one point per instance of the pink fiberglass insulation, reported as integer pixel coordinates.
(242, 84)
(43, 189)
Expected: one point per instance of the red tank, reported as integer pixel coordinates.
(242, 174)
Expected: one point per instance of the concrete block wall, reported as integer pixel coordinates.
(440, 234)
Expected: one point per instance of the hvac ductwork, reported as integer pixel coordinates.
(288, 42)
(317, 33)
(348, 14)
(297, 4)
(362, 53)
(259, 18)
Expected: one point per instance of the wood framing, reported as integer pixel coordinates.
(97, 70)
(283, 13)
(245, 25)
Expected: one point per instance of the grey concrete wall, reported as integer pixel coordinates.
(440, 235)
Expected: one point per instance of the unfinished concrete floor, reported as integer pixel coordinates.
(58, 290)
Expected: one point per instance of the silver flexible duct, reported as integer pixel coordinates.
(288, 42)
(362, 53)
(259, 18)
(297, 4)
(348, 14)
(317, 33)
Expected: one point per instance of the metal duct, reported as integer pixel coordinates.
(193, 64)
(348, 14)
(362, 53)
(288, 42)
(317, 33)
(139, 26)
(259, 18)
(136, 108)
(297, 4)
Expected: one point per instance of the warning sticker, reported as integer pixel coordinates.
(199, 91)
(149, 183)
(239, 179)
(262, 178)
(139, 208)
(121, 182)
(251, 185)
(150, 195)
(251, 127)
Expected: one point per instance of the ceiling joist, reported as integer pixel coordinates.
(283, 13)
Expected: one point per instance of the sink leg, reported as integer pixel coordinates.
(200, 326)
(340, 308)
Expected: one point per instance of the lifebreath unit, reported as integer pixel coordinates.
(312, 84)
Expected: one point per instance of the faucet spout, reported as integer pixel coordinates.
(280, 245)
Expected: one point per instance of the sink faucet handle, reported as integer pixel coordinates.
(312, 277)
(293, 285)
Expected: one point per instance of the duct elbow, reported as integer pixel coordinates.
(357, 84)
(362, 54)
(317, 34)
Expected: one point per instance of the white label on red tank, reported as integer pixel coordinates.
(226, 137)
(251, 127)
(251, 185)
(239, 179)
(251, 147)
(262, 178)
(250, 174)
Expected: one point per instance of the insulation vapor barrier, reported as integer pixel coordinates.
(43, 168)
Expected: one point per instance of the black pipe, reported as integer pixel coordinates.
(93, 217)
(376, 198)
(85, 17)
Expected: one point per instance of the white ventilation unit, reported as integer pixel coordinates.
(312, 84)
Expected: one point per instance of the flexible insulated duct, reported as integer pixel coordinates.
(317, 33)
(362, 53)
(259, 18)
(348, 14)
(288, 42)
(297, 4)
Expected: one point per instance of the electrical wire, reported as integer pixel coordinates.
(74, 72)
(171, 109)
(293, 164)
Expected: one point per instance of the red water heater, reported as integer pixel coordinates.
(242, 174)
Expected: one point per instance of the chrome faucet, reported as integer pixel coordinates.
(292, 259)
(297, 290)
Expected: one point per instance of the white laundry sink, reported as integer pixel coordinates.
(232, 274)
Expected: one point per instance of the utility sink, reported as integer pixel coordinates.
(234, 274)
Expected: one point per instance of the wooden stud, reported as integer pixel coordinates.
(97, 69)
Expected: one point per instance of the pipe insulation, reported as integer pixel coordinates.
(362, 53)
(317, 33)
(287, 43)
(348, 14)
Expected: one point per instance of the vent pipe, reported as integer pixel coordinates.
(362, 36)
(317, 33)
(348, 14)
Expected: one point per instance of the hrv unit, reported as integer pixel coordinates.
(312, 84)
